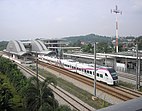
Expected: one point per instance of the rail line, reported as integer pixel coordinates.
(75, 103)
(131, 76)
(119, 92)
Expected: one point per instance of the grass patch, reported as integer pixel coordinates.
(129, 85)
(78, 92)
(126, 84)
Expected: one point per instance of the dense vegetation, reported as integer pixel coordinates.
(139, 41)
(104, 44)
(100, 48)
(16, 79)
(3, 45)
(17, 93)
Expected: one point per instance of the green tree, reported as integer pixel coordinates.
(5, 98)
(122, 48)
(3, 45)
(139, 41)
(87, 48)
(13, 73)
(40, 96)
(104, 47)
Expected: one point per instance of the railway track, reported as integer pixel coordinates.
(74, 102)
(131, 76)
(119, 92)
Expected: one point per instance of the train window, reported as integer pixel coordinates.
(90, 72)
(98, 74)
(87, 71)
(101, 75)
(106, 74)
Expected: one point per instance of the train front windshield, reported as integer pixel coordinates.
(113, 73)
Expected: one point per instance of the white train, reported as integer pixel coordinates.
(105, 74)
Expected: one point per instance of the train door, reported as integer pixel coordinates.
(106, 77)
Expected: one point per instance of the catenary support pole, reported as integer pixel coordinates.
(95, 69)
(37, 70)
(137, 76)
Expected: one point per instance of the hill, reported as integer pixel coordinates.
(91, 38)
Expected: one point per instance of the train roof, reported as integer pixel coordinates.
(72, 62)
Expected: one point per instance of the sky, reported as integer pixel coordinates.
(31, 19)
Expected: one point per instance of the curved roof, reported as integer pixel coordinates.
(15, 47)
(18, 47)
(38, 46)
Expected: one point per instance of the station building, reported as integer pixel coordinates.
(25, 50)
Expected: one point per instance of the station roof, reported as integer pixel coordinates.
(18, 47)
(103, 55)
(64, 47)
(43, 52)
(122, 55)
(38, 46)
(15, 47)
(88, 56)
(130, 105)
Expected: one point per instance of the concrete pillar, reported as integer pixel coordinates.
(126, 64)
(139, 74)
(105, 60)
(114, 63)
